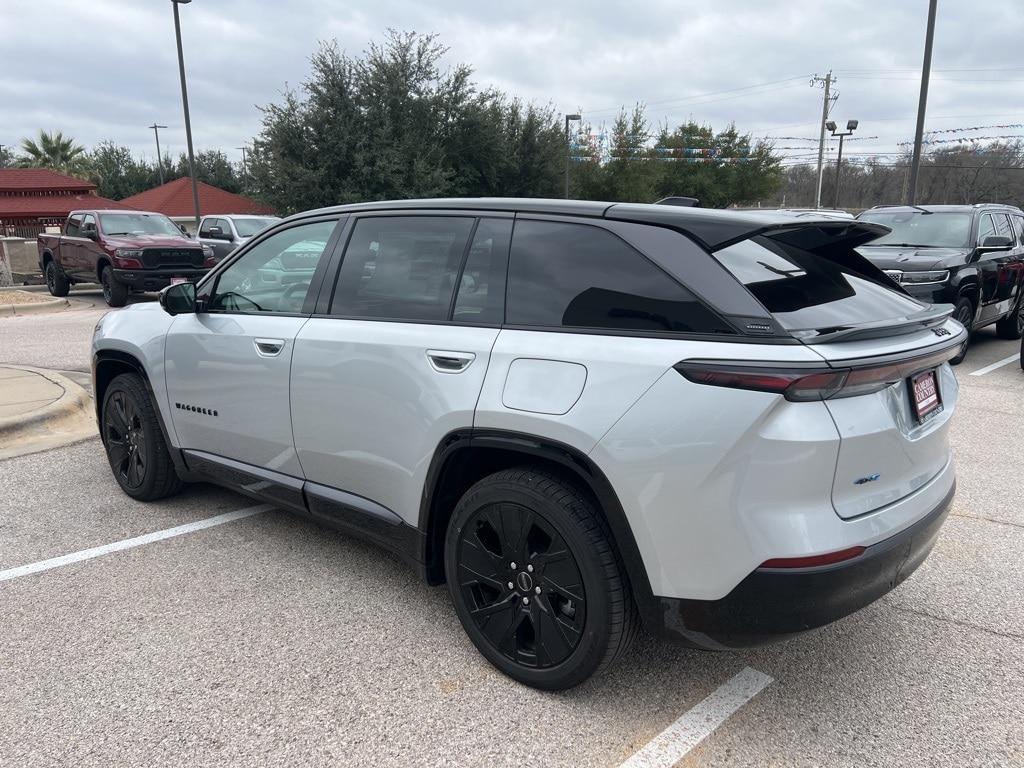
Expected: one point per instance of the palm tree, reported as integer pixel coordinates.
(55, 151)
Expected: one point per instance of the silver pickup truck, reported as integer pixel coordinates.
(225, 232)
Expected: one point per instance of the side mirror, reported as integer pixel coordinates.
(90, 232)
(184, 230)
(997, 243)
(179, 298)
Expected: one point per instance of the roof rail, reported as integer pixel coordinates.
(996, 205)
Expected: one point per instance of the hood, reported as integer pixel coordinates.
(150, 241)
(914, 259)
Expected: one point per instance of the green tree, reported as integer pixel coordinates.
(55, 151)
(118, 174)
(393, 124)
(212, 167)
(6, 158)
(720, 169)
(633, 170)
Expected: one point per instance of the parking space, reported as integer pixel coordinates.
(270, 640)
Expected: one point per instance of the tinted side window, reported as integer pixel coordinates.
(986, 228)
(401, 267)
(204, 230)
(73, 224)
(1018, 225)
(275, 275)
(481, 297)
(578, 276)
(88, 223)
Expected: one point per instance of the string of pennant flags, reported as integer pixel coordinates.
(966, 139)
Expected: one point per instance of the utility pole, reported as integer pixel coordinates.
(159, 158)
(244, 164)
(184, 104)
(926, 68)
(827, 82)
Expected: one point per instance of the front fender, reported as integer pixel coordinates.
(136, 336)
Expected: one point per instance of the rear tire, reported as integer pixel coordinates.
(136, 450)
(964, 314)
(57, 282)
(114, 293)
(1012, 326)
(569, 612)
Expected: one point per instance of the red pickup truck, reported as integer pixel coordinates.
(124, 251)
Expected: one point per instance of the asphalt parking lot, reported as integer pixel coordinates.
(268, 640)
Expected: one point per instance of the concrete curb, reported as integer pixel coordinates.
(31, 309)
(67, 420)
(42, 288)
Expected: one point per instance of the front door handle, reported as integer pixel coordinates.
(268, 347)
(445, 361)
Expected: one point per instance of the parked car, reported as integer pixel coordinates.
(581, 416)
(124, 251)
(224, 233)
(971, 256)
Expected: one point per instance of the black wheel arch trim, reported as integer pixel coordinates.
(581, 468)
(108, 357)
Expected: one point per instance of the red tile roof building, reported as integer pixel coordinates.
(174, 199)
(33, 198)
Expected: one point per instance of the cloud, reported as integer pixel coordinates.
(108, 68)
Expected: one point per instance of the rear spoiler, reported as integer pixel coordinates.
(933, 316)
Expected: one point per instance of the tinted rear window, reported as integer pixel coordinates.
(807, 291)
(579, 276)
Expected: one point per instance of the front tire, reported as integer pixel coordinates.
(114, 293)
(138, 455)
(964, 314)
(57, 282)
(1011, 327)
(535, 580)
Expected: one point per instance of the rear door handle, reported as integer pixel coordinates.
(445, 361)
(268, 347)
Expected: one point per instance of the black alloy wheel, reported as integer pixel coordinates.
(134, 442)
(522, 585)
(125, 437)
(535, 579)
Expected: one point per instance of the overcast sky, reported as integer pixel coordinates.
(105, 69)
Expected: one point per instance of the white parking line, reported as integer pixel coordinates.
(672, 744)
(1000, 364)
(137, 541)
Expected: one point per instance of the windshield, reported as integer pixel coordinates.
(932, 230)
(808, 292)
(249, 227)
(138, 224)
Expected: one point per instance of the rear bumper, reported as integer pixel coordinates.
(155, 279)
(771, 604)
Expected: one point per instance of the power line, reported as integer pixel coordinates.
(701, 95)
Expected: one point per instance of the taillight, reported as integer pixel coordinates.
(829, 558)
(796, 384)
(801, 385)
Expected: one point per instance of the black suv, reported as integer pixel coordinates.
(971, 256)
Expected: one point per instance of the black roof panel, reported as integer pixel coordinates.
(713, 228)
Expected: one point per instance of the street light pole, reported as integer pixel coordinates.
(159, 158)
(839, 169)
(851, 126)
(568, 150)
(926, 68)
(184, 104)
